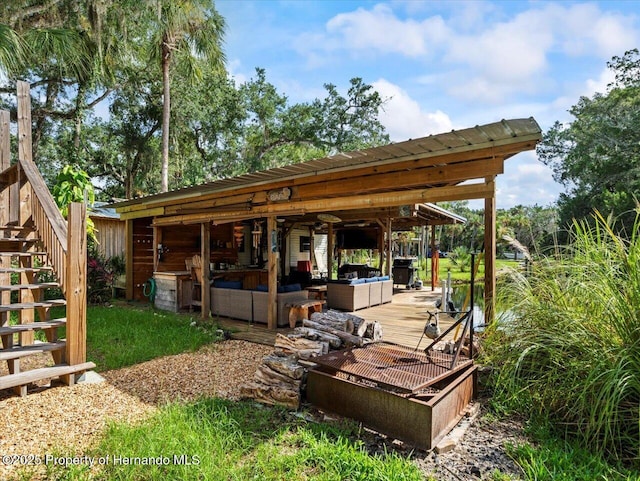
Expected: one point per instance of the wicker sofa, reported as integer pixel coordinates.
(229, 300)
(355, 294)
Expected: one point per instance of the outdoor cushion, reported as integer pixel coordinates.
(355, 282)
(262, 288)
(227, 284)
(292, 288)
(372, 279)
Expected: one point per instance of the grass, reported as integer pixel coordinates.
(446, 266)
(553, 459)
(123, 335)
(218, 439)
(569, 350)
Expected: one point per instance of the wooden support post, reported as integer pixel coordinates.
(157, 240)
(21, 192)
(381, 251)
(205, 253)
(76, 290)
(329, 251)
(389, 246)
(272, 242)
(128, 235)
(5, 162)
(312, 247)
(434, 267)
(489, 252)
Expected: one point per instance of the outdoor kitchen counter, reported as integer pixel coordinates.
(251, 278)
(173, 290)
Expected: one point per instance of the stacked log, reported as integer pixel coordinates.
(280, 377)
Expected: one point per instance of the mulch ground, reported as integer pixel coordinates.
(71, 419)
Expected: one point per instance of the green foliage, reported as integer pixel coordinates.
(596, 157)
(72, 185)
(236, 440)
(568, 345)
(461, 258)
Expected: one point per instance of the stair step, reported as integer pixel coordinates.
(17, 287)
(24, 351)
(17, 240)
(20, 379)
(17, 228)
(22, 254)
(33, 326)
(20, 306)
(10, 270)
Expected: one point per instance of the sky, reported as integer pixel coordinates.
(440, 65)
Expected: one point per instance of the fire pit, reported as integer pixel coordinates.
(413, 396)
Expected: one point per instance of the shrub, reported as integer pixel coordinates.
(99, 277)
(568, 347)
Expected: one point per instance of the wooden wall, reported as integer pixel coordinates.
(142, 253)
(110, 235)
(182, 242)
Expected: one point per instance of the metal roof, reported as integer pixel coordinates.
(490, 135)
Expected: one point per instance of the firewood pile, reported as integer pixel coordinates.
(281, 376)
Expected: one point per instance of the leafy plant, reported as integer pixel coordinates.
(99, 277)
(568, 345)
(71, 186)
(461, 258)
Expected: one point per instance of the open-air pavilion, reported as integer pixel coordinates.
(378, 190)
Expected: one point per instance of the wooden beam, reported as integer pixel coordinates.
(76, 285)
(373, 201)
(490, 252)
(142, 213)
(272, 242)
(414, 178)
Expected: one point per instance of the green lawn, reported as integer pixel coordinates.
(446, 265)
(215, 439)
(122, 335)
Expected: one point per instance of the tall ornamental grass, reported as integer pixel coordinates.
(567, 346)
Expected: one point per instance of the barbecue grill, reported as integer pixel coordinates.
(403, 271)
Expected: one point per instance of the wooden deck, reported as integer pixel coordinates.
(402, 320)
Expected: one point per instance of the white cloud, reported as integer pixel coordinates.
(380, 30)
(404, 118)
(526, 181)
(585, 29)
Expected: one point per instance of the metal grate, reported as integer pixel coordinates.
(392, 366)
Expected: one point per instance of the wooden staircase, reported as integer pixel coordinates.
(34, 240)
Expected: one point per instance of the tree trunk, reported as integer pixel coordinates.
(331, 320)
(166, 114)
